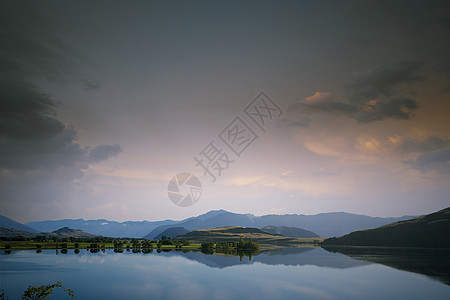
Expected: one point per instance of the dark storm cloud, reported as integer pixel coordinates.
(29, 46)
(372, 95)
(298, 123)
(434, 153)
(433, 160)
(397, 108)
(31, 136)
(447, 88)
(446, 24)
(375, 92)
(103, 152)
(430, 143)
(26, 113)
(90, 85)
(294, 121)
(382, 81)
(328, 105)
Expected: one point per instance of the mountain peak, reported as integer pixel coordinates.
(65, 229)
(69, 232)
(211, 213)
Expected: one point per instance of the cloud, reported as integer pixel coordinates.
(31, 136)
(447, 88)
(288, 174)
(434, 152)
(39, 154)
(382, 81)
(429, 152)
(446, 24)
(103, 152)
(421, 145)
(30, 47)
(318, 97)
(294, 121)
(396, 108)
(433, 160)
(371, 96)
(323, 102)
(323, 172)
(330, 106)
(89, 85)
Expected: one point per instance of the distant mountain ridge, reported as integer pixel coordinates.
(102, 227)
(324, 225)
(290, 231)
(430, 231)
(60, 233)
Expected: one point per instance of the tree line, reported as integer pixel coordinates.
(229, 245)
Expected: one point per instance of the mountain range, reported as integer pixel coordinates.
(136, 229)
(60, 233)
(324, 224)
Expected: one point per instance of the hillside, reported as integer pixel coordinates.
(60, 233)
(68, 232)
(289, 231)
(430, 231)
(233, 233)
(11, 232)
(10, 223)
(171, 233)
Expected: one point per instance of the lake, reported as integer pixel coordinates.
(293, 273)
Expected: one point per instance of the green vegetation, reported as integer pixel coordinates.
(241, 248)
(290, 231)
(98, 242)
(44, 291)
(223, 239)
(233, 233)
(207, 247)
(429, 231)
(247, 245)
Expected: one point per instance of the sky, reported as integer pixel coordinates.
(277, 107)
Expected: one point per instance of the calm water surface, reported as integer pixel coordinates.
(300, 273)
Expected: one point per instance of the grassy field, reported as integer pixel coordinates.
(16, 245)
(233, 233)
